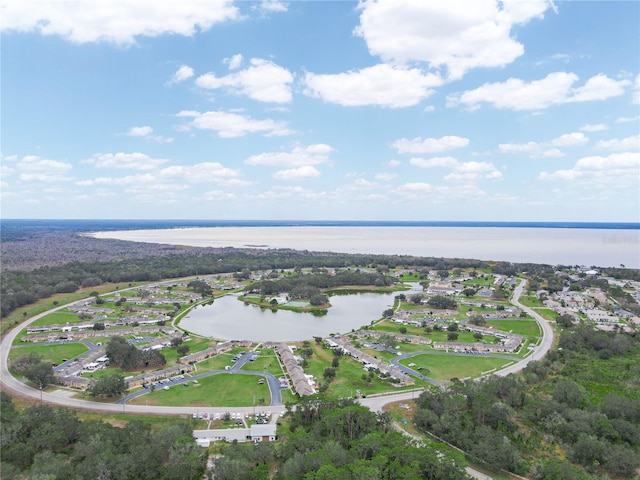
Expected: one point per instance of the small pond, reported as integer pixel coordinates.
(231, 319)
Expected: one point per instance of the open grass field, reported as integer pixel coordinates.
(349, 375)
(388, 326)
(521, 327)
(266, 362)
(54, 353)
(547, 313)
(446, 367)
(60, 317)
(218, 362)
(530, 301)
(223, 390)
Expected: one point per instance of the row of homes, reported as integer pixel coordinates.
(214, 350)
(303, 384)
(509, 342)
(342, 343)
(108, 323)
(414, 339)
(79, 335)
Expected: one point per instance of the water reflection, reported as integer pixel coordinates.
(231, 319)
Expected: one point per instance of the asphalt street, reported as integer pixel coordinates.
(60, 398)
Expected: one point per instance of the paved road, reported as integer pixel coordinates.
(272, 382)
(11, 384)
(547, 335)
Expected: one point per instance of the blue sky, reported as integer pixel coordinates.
(321, 110)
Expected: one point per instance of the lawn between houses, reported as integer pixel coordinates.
(52, 353)
(221, 390)
(445, 367)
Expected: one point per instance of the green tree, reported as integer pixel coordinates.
(111, 385)
(41, 374)
(442, 302)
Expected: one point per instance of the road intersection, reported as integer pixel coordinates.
(376, 403)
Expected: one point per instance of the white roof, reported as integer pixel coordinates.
(266, 430)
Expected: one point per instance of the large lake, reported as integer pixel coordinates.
(231, 319)
(553, 246)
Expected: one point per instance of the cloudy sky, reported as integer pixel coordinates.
(518, 110)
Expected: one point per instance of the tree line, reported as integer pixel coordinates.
(53, 444)
(581, 401)
(19, 288)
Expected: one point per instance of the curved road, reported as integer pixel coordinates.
(59, 398)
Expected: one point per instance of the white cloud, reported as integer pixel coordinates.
(532, 148)
(570, 140)
(599, 127)
(471, 171)
(364, 184)
(32, 168)
(599, 87)
(139, 131)
(627, 119)
(617, 170)
(263, 81)
(135, 161)
(114, 21)
(235, 61)
(145, 132)
(201, 173)
(536, 149)
(447, 162)
(394, 163)
(552, 153)
(183, 73)
(230, 125)
(443, 193)
(386, 176)
(636, 90)
(631, 143)
(306, 171)
(555, 89)
(298, 157)
(430, 145)
(456, 34)
(273, 6)
(460, 171)
(383, 85)
(216, 195)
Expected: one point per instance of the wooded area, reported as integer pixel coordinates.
(580, 406)
(46, 443)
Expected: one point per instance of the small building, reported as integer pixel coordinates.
(263, 433)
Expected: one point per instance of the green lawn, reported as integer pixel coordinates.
(223, 390)
(521, 327)
(349, 375)
(547, 313)
(267, 361)
(446, 367)
(61, 317)
(530, 301)
(218, 362)
(54, 353)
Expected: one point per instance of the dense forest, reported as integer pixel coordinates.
(46, 443)
(573, 415)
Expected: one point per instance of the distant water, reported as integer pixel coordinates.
(589, 244)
